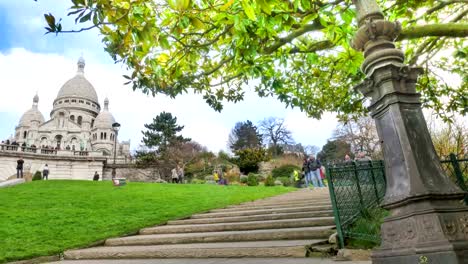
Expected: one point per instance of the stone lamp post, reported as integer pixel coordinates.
(115, 127)
(427, 222)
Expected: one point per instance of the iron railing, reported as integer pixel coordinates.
(358, 188)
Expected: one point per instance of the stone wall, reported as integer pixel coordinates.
(133, 173)
(61, 167)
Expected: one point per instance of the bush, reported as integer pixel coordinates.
(286, 181)
(248, 159)
(235, 183)
(284, 171)
(279, 183)
(37, 176)
(252, 180)
(198, 181)
(243, 179)
(209, 178)
(269, 181)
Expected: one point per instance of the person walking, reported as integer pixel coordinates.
(216, 176)
(45, 172)
(180, 174)
(96, 176)
(19, 168)
(174, 176)
(314, 171)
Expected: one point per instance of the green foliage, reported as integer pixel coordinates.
(81, 206)
(162, 132)
(244, 135)
(252, 179)
(297, 50)
(368, 223)
(243, 179)
(284, 171)
(334, 150)
(37, 176)
(269, 181)
(287, 181)
(197, 181)
(248, 159)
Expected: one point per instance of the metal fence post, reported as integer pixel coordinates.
(336, 213)
(356, 178)
(373, 180)
(458, 174)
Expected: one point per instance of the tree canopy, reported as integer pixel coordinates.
(297, 50)
(162, 132)
(275, 132)
(244, 135)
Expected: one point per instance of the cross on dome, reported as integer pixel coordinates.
(81, 64)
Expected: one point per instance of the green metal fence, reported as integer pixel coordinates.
(358, 188)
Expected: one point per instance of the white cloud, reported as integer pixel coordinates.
(24, 73)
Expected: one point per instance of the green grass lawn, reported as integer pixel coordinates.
(47, 217)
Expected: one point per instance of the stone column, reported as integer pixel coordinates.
(427, 219)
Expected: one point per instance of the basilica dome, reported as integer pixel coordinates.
(32, 114)
(78, 86)
(105, 119)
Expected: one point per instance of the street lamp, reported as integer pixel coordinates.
(115, 127)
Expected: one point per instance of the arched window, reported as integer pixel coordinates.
(80, 119)
(25, 133)
(105, 135)
(72, 118)
(102, 135)
(92, 123)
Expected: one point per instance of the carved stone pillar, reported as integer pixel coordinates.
(427, 222)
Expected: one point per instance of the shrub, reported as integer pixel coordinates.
(279, 183)
(252, 180)
(235, 183)
(248, 159)
(286, 181)
(232, 175)
(269, 181)
(209, 178)
(37, 176)
(243, 179)
(284, 171)
(198, 181)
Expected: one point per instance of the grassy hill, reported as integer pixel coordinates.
(47, 217)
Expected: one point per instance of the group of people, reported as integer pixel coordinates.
(313, 172)
(218, 177)
(360, 156)
(177, 174)
(20, 167)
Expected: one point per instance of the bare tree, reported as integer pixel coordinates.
(311, 149)
(274, 132)
(361, 134)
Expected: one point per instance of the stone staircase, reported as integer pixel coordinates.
(285, 226)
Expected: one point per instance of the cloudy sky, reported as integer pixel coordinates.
(32, 62)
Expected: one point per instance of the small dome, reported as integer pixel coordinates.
(32, 114)
(105, 119)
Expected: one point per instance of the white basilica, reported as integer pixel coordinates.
(77, 122)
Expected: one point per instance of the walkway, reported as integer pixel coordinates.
(288, 228)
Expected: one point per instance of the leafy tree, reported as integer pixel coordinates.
(298, 51)
(361, 134)
(162, 132)
(334, 150)
(248, 159)
(275, 132)
(244, 135)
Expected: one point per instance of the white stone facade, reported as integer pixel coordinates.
(76, 123)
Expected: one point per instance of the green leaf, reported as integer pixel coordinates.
(85, 18)
(248, 9)
(265, 6)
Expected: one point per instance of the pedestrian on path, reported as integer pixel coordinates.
(45, 172)
(314, 172)
(305, 171)
(19, 167)
(174, 176)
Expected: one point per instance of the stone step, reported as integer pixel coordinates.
(273, 249)
(251, 218)
(321, 232)
(263, 211)
(255, 225)
(255, 207)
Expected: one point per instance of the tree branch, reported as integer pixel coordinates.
(299, 32)
(313, 47)
(451, 30)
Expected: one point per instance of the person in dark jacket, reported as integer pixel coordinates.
(19, 167)
(96, 176)
(314, 171)
(305, 170)
(45, 172)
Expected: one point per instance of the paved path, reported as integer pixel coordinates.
(9, 183)
(281, 229)
(217, 261)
